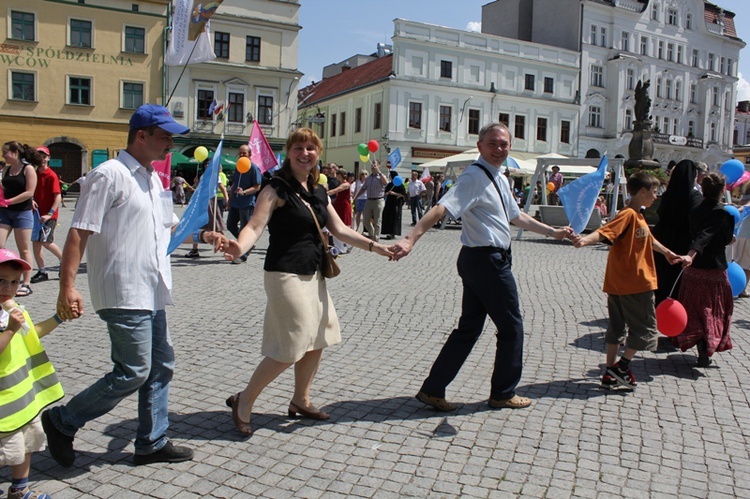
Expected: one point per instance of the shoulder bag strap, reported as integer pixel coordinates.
(323, 239)
(497, 188)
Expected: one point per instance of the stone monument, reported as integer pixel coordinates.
(641, 147)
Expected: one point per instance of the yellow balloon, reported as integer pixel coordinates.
(322, 180)
(364, 158)
(201, 153)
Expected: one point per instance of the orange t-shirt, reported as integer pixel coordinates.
(630, 265)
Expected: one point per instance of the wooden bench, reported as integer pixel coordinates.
(555, 216)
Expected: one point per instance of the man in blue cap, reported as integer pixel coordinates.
(125, 217)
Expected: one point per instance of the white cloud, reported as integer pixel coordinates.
(743, 89)
(474, 26)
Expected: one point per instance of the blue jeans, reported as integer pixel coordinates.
(143, 359)
(415, 204)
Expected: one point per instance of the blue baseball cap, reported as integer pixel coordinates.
(151, 114)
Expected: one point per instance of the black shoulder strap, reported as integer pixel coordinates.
(497, 188)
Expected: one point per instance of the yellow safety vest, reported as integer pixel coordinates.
(28, 382)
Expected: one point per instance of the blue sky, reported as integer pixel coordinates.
(333, 30)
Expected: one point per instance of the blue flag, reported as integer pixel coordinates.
(196, 214)
(579, 197)
(395, 157)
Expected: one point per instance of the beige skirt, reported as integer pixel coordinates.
(299, 316)
(742, 252)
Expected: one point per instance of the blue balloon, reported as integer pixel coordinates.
(737, 278)
(732, 170)
(734, 212)
(397, 180)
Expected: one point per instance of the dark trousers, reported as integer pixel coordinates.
(237, 219)
(415, 204)
(489, 289)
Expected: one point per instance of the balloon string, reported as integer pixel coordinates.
(676, 281)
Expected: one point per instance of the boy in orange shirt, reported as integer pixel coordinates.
(630, 280)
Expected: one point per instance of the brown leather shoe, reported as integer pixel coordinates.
(515, 402)
(438, 403)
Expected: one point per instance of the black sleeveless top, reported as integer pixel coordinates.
(294, 243)
(13, 185)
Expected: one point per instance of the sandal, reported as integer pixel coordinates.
(24, 290)
(242, 426)
(515, 402)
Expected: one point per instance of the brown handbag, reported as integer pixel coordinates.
(329, 267)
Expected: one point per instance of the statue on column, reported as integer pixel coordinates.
(642, 101)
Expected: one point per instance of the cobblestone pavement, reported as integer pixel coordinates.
(684, 433)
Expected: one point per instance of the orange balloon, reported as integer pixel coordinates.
(550, 186)
(243, 165)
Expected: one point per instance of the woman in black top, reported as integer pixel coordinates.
(672, 229)
(705, 292)
(300, 319)
(19, 183)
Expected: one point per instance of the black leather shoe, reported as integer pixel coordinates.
(59, 444)
(167, 454)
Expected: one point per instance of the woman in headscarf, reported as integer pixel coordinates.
(672, 229)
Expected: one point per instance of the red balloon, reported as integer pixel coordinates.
(671, 317)
(373, 145)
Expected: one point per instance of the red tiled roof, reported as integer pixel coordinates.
(711, 14)
(347, 81)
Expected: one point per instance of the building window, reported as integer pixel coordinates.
(203, 103)
(541, 129)
(729, 67)
(444, 122)
(630, 79)
(80, 33)
(604, 37)
(670, 52)
(675, 126)
(628, 119)
(713, 132)
(722, 65)
(595, 116)
(711, 62)
(691, 128)
(679, 54)
(221, 45)
(132, 95)
(342, 125)
(333, 124)
(660, 52)
(678, 90)
(358, 120)
(666, 125)
(625, 41)
(135, 40)
(23, 86)
(520, 127)
(644, 45)
(377, 115)
(79, 91)
(252, 49)
(672, 16)
(565, 132)
(504, 118)
(415, 115)
(473, 121)
(658, 88)
(597, 76)
(594, 32)
(655, 12)
(446, 69)
(265, 110)
(668, 83)
(695, 58)
(549, 85)
(715, 93)
(22, 25)
(692, 93)
(529, 83)
(689, 21)
(236, 111)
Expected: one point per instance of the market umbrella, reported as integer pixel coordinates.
(179, 159)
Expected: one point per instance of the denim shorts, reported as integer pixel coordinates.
(17, 219)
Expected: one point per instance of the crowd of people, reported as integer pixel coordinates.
(301, 206)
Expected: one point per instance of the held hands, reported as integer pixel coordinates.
(219, 241)
(686, 260)
(383, 250)
(232, 250)
(400, 249)
(69, 304)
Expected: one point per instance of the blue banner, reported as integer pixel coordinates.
(579, 197)
(196, 214)
(395, 157)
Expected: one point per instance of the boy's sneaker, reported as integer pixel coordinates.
(608, 382)
(624, 377)
(39, 277)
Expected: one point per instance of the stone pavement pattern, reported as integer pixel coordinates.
(682, 434)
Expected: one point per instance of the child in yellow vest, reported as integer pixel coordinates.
(28, 382)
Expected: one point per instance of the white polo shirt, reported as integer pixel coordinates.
(131, 216)
(475, 201)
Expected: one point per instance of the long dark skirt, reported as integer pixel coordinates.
(707, 298)
(391, 217)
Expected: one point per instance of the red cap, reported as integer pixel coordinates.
(44, 150)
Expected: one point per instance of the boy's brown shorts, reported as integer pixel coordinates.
(636, 315)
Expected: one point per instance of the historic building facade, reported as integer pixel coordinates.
(74, 73)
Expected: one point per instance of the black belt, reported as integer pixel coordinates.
(488, 249)
(373, 199)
